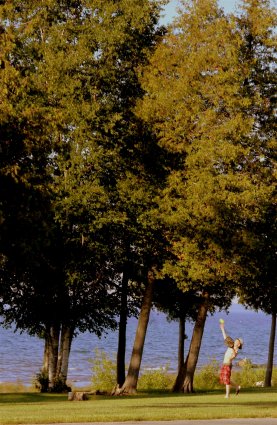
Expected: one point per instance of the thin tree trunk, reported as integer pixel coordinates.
(269, 367)
(53, 354)
(64, 352)
(178, 384)
(121, 349)
(45, 364)
(181, 373)
(181, 343)
(60, 351)
(130, 384)
(195, 345)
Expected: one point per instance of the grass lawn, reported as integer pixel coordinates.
(31, 408)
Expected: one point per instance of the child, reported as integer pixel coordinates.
(230, 354)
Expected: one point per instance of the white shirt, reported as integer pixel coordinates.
(230, 354)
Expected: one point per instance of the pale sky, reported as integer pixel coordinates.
(228, 5)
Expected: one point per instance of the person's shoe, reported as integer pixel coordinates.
(238, 390)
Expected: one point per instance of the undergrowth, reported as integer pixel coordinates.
(206, 377)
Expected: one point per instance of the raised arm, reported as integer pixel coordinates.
(223, 330)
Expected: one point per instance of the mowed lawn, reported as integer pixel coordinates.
(31, 408)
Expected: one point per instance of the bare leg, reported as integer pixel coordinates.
(237, 387)
(228, 387)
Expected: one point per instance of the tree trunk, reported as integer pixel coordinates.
(181, 343)
(181, 373)
(130, 384)
(195, 345)
(53, 354)
(64, 352)
(178, 384)
(269, 367)
(121, 349)
(45, 364)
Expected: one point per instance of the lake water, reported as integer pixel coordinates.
(21, 355)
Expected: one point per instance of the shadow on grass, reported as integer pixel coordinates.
(31, 398)
(51, 398)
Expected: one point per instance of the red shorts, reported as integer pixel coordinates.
(225, 374)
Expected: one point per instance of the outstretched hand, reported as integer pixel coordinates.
(221, 325)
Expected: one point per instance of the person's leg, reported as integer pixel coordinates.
(233, 384)
(228, 387)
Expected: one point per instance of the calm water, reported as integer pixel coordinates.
(21, 355)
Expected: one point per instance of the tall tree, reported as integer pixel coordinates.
(201, 115)
(177, 305)
(78, 61)
(257, 23)
(108, 182)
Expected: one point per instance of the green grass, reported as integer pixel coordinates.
(27, 408)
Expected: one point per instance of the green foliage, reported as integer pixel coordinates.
(41, 381)
(258, 250)
(193, 107)
(16, 387)
(249, 375)
(104, 375)
(103, 371)
(207, 377)
(158, 379)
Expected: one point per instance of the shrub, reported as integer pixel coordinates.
(274, 377)
(250, 374)
(103, 371)
(207, 377)
(41, 382)
(15, 387)
(158, 379)
(104, 375)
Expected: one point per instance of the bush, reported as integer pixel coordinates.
(247, 376)
(104, 375)
(274, 377)
(41, 382)
(207, 377)
(250, 374)
(158, 379)
(15, 387)
(103, 372)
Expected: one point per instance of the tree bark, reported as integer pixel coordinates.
(130, 384)
(178, 384)
(54, 335)
(181, 373)
(45, 364)
(64, 352)
(181, 343)
(121, 349)
(269, 367)
(195, 344)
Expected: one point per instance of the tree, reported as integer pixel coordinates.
(177, 305)
(199, 112)
(54, 57)
(258, 248)
(107, 182)
(82, 62)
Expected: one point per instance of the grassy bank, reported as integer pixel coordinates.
(31, 408)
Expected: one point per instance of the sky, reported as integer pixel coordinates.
(228, 5)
